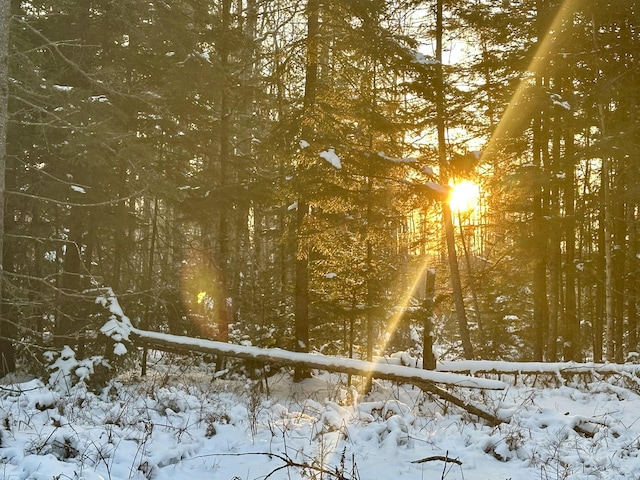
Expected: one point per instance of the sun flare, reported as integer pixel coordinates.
(464, 196)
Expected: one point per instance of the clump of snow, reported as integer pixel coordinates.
(558, 101)
(118, 327)
(422, 59)
(437, 187)
(397, 160)
(77, 188)
(331, 157)
(427, 170)
(304, 144)
(66, 370)
(119, 348)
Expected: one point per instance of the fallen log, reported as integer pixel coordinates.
(426, 380)
(486, 367)
(311, 360)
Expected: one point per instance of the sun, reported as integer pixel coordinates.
(464, 196)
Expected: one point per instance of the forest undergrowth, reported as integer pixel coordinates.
(184, 418)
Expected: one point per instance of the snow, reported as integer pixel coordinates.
(397, 160)
(78, 188)
(437, 187)
(422, 59)
(331, 157)
(183, 423)
(119, 349)
(118, 327)
(119, 330)
(428, 171)
(575, 421)
(558, 101)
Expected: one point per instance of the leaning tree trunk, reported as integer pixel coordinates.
(456, 285)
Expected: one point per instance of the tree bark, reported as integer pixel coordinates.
(6, 348)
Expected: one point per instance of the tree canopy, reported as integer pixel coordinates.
(275, 172)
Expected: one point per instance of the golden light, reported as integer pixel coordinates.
(464, 196)
(200, 297)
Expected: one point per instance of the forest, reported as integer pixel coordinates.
(278, 173)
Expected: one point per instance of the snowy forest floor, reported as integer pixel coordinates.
(180, 421)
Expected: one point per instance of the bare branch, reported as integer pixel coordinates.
(439, 458)
(64, 203)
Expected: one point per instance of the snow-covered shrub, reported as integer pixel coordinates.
(118, 327)
(66, 370)
(115, 333)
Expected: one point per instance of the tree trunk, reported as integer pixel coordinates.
(571, 321)
(540, 243)
(555, 336)
(308, 127)
(428, 358)
(632, 283)
(472, 283)
(456, 285)
(6, 347)
(224, 306)
(606, 226)
(608, 262)
(70, 295)
(619, 268)
(539, 236)
(301, 293)
(149, 279)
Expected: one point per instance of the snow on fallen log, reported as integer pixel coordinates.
(312, 360)
(474, 367)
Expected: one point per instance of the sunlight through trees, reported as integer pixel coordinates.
(294, 156)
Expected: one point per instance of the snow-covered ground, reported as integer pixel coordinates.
(181, 422)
